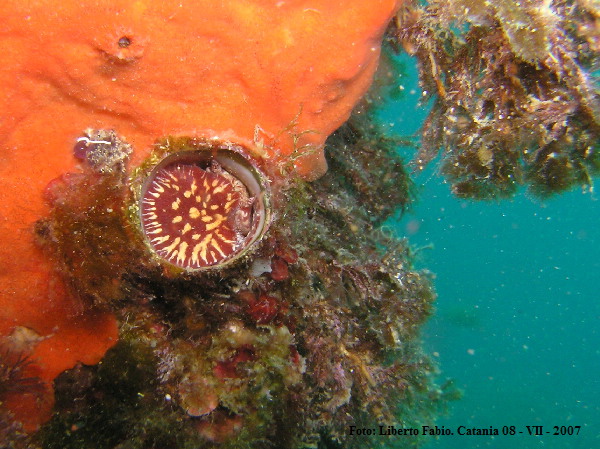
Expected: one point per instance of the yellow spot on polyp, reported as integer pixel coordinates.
(182, 250)
(194, 213)
(217, 247)
(201, 248)
(172, 246)
(220, 236)
(228, 205)
(159, 240)
(177, 219)
(218, 220)
(186, 228)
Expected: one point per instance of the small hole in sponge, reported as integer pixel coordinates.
(124, 42)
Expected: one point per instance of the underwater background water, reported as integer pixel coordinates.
(518, 311)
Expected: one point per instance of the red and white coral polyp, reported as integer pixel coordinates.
(198, 216)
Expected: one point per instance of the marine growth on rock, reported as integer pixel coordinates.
(514, 90)
(184, 272)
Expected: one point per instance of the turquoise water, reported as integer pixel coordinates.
(517, 317)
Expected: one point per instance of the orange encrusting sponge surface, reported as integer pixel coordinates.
(253, 71)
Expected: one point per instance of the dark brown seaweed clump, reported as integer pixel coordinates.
(18, 382)
(365, 163)
(515, 92)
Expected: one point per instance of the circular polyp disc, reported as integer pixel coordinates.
(196, 217)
